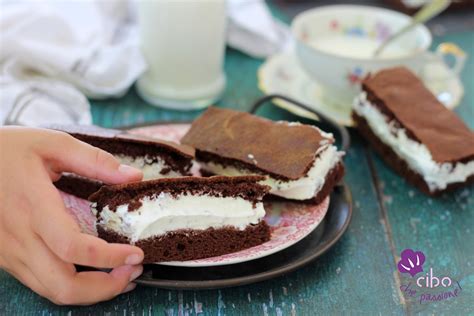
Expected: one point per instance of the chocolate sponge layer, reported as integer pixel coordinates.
(286, 151)
(78, 186)
(187, 244)
(182, 245)
(245, 187)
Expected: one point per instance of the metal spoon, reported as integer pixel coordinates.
(430, 10)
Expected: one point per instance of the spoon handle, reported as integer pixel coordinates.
(430, 10)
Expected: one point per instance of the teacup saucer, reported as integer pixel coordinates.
(282, 74)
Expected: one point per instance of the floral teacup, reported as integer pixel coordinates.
(335, 46)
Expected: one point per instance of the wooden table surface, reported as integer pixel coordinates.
(358, 275)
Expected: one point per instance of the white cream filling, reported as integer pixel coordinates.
(164, 213)
(301, 189)
(150, 169)
(436, 175)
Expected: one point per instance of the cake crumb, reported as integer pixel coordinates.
(338, 270)
(197, 305)
(220, 301)
(293, 309)
(323, 142)
(289, 123)
(252, 157)
(413, 222)
(387, 199)
(464, 193)
(411, 193)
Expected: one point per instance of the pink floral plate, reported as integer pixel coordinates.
(290, 222)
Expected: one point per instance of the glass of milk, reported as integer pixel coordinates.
(183, 43)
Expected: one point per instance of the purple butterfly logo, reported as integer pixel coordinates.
(411, 262)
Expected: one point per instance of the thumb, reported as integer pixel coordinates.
(68, 154)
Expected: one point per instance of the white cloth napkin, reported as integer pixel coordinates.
(54, 54)
(252, 29)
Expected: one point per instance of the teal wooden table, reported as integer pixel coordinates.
(358, 275)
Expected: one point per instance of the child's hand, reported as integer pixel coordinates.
(39, 240)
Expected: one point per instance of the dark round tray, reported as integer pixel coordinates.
(312, 246)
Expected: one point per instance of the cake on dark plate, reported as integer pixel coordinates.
(427, 144)
(299, 162)
(156, 158)
(187, 218)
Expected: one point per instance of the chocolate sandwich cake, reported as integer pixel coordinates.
(185, 218)
(156, 158)
(414, 133)
(299, 162)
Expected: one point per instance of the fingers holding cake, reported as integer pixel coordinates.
(65, 286)
(39, 241)
(27, 256)
(61, 234)
(116, 157)
(69, 154)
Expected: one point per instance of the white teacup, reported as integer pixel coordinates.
(335, 45)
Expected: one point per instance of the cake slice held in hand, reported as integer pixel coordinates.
(155, 158)
(186, 218)
(299, 162)
(429, 145)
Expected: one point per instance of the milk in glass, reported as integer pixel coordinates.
(183, 42)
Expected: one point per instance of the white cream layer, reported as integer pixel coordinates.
(165, 213)
(436, 175)
(150, 169)
(301, 189)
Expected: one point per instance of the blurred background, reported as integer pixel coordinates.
(75, 61)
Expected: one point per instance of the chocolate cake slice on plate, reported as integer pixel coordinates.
(427, 144)
(299, 162)
(156, 158)
(187, 218)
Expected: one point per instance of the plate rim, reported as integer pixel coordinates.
(268, 253)
(254, 278)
